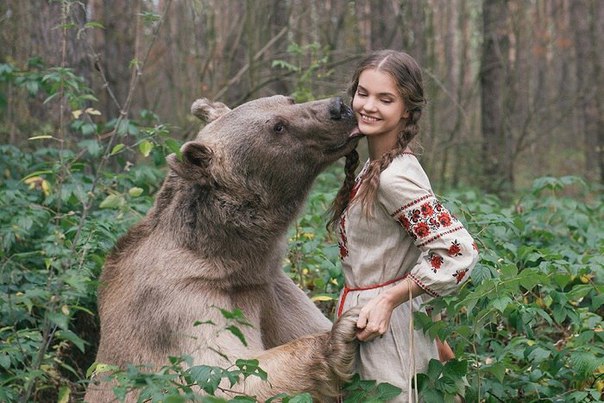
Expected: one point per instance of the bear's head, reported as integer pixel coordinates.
(271, 147)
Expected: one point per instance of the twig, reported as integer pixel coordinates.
(136, 73)
(256, 57)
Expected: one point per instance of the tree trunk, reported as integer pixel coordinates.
(116, 44)
(587, 104)
(497, 142)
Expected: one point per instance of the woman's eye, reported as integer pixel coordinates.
(387, 101)
(279, 128)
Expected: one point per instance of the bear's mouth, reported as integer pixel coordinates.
(356, 132)
(353, 137)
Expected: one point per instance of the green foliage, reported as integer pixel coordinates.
(530, 324)
(310, 63)
(361, 391)
(61, 215)
(527, 328)
(313, 256)
(175, 382)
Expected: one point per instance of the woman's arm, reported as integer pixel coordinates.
(374, 319)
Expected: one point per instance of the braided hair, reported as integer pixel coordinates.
(407, 74)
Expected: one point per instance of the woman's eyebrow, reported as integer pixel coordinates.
(380, 94)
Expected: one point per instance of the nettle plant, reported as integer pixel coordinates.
(529, 327)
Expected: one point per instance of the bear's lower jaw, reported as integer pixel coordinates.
(343, 148)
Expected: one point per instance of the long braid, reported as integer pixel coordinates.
(343, 197)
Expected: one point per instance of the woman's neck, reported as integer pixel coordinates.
(380, 145)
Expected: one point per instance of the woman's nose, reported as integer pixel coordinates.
(369, 105)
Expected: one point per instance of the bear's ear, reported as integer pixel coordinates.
(208, 111)
(195, 163)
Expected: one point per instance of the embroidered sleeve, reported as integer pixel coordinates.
(448, 252)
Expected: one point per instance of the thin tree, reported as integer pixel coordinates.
(497, 142)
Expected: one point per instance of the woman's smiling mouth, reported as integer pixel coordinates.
(368, 119)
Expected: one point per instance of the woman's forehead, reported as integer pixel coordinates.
(377, 81)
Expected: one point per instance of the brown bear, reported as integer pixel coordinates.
(216, 238)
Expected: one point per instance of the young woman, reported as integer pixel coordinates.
(398, 244)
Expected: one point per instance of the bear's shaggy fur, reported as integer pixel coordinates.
(215, 238)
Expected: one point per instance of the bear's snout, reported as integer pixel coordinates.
(338, 109)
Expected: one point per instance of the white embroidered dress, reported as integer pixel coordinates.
(409, 235)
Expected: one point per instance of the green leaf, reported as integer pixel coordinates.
(238, 333)
(529, 278)
(135, 191)
(4, 360)
(111, 202)
(59, 319)
(579, 291)
(117, 148)
(205, 322)
(251, 367)
(434, 369)
(122, 127)
(539, 355)
(72, 337)
(99, 368)
(174, 147)
(208, 378)
(64, 394)
(301, 398)
(145, 147)
(498, 370)
(509, 271)
(455, 368)
(585, 363)
(560, 314)
(94, 24)
(501, 303)
(387, 391)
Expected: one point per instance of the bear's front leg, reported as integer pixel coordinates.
(289, 313)
(317, 364)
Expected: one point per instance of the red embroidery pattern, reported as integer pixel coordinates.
(439, 235)
(436, 261)
(460, 274)
(425, 219)
(454, 249)
(411, 204)
(423, 286)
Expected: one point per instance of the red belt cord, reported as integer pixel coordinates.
(347, 289)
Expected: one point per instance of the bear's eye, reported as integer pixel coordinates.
(279, 127)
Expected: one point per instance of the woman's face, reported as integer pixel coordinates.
(378, 106)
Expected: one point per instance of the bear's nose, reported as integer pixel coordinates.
(337, 109)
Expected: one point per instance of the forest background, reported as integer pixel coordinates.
(94, 94)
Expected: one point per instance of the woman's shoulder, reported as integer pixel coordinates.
(405, 167)
(403, 183)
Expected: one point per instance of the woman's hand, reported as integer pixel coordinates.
(444, 350)
(374, 318)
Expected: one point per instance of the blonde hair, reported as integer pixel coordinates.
(407, 74)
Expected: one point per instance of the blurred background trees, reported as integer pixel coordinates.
(515, 87)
